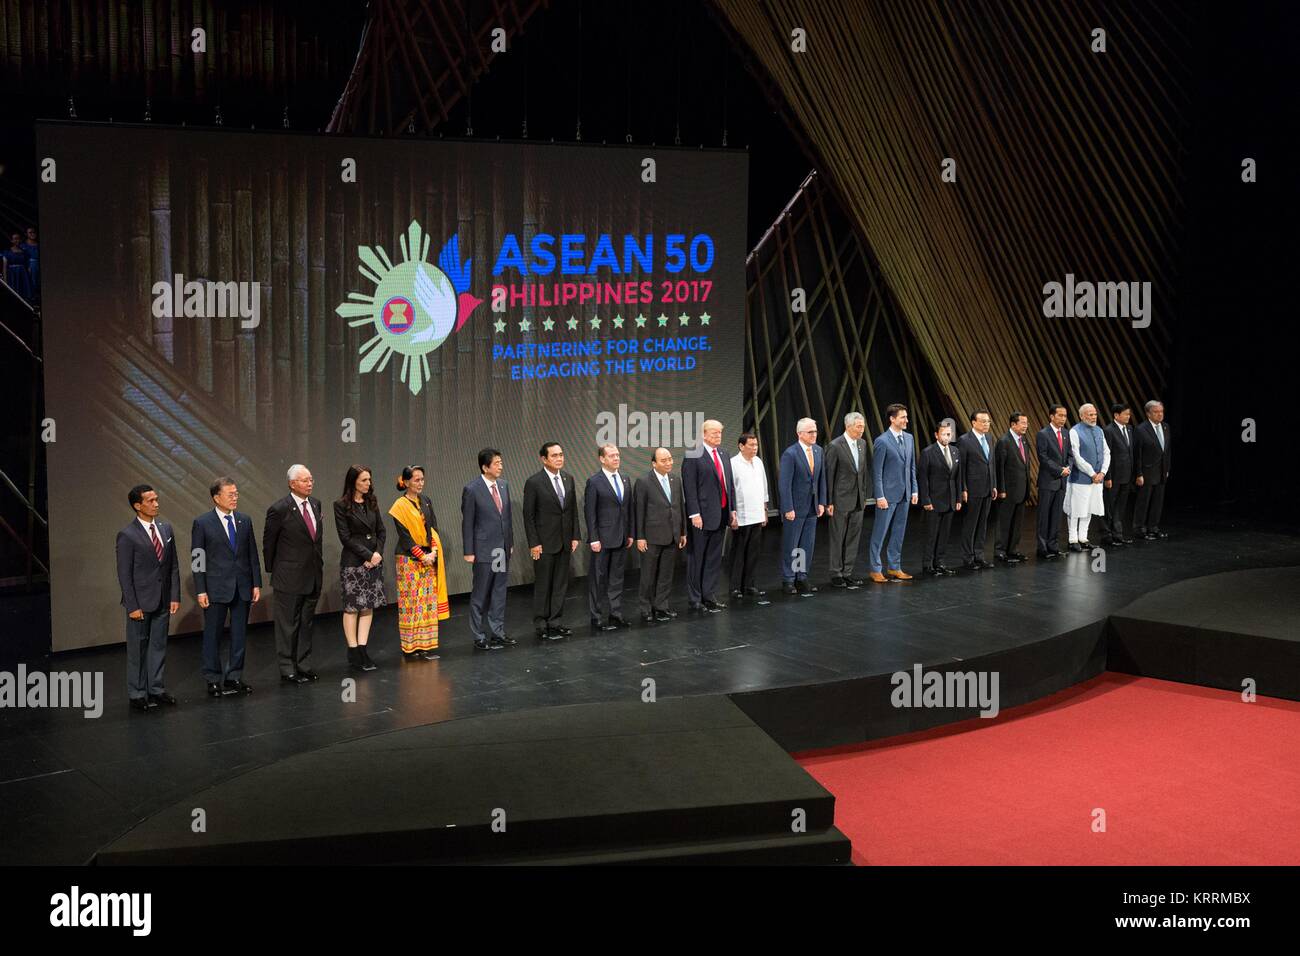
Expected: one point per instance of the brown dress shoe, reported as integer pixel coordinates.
(877, 577)
(899, 575)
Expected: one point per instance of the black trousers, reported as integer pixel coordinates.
(746, 545)
(703, 563)
(605, 582)
(846, 533)
(657, 576)
(550, 585)
(1010, 518)
(1150, 503)
(938, 525)
(1115, 499)
(1051, 505)
(295, 615)
(974, 527)
(487, 601)
(214, 620)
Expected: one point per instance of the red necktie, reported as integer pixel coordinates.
(306, 516)
(1060, 442)
(722, 482)
(1021, 446)
(157, 543)
(497, 498)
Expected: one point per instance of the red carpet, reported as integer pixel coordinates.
(1186, 775)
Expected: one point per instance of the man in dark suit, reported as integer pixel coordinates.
(292, 551)
(847, 482)
(488, 542)
(660, 520)
(551, 527)
(938, 484)
(228, 580)
(979, 487)
(1011, 475)
(607, 504)
(1119, 480)
(1054, 457)
(1151, 463)
(150, 578)
(710, 493)
(802, 488)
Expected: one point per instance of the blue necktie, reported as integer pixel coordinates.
(668, 493)
(984, 445)
(618, 489)
(230, 531)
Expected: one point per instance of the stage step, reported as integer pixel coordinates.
(682, 780)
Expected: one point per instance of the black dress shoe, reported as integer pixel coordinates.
(971, 565)
(663, 617)
(1126, 540)
(839, 583)
(981, 564)
(562, 631)
(755, 592)
(290, 679)
(596, 623)
(606, 627)
(714, 606)
(502, 640)
(789, 588)
(1150, 536)
(1161, 534)
(226, 689)
(932, 572)
(648, 618)
(618, 621)
(143, 704)
(354, 660)
(737, 593)
(1076, 547)
(1006, 559)
(1018, 556)
(695, 607)
(214, 690)
(305, 677)
(855, 582)
(163, 698)
(946, 570)
(366, 663)
(554, 634)
(483, 645)
(424, 655)
(237, 687)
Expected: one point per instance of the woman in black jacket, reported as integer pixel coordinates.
(361, 532)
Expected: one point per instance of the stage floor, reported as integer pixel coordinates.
(68, 785)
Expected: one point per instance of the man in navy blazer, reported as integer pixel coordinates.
(802, 489)
(1053, 447)
(893, 477)
(151, 589)
(710, 492)
(607, 503)
(487, 540)
(228, 580)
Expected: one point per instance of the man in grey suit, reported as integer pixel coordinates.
(660, 521)
(847, 479)
(151, 588)
(487, 541)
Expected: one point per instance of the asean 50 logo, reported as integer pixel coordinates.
(415, 307)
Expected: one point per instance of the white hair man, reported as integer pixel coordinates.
(1085, 491)
(293, 555)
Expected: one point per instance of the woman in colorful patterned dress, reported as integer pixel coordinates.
(421, 574)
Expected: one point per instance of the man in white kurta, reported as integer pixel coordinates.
(1084, 493)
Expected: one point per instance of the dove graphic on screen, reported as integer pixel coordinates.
(415, 307)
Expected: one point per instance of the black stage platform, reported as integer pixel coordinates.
(810, 672)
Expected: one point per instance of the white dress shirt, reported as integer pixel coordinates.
(750, 478)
